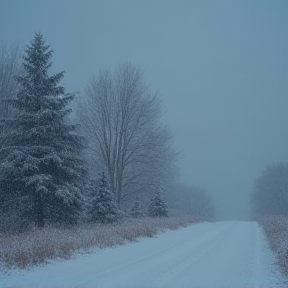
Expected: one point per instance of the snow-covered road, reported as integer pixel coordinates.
(221, 254)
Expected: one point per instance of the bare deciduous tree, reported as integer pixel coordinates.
(10, 66)
(200, 204)
(120, 118)
(191, 200)
(270, 193)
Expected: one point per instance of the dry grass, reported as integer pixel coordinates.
(38, 246)
(276, 230)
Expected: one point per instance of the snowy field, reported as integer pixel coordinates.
(221, 254)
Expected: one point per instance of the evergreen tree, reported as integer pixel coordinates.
(104, 206)
(136, 211)
(40, 169)
(158, 206)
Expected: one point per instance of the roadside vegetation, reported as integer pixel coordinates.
(23, 250)
(276, 230)
(270, 208)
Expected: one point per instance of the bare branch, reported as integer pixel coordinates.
(120, 117)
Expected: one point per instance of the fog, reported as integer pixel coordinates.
(220, 67)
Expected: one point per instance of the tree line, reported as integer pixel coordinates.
(270, 191)
(56, 172)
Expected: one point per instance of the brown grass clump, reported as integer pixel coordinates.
(276, 230)
(38, 246)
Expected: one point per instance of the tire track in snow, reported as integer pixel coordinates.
(202, 249)
(207, 235)
(237, 261)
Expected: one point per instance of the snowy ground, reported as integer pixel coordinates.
(221, 254)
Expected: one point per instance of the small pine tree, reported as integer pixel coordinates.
(136, 211)
(158, 207)
(104, 207)
(41, 170)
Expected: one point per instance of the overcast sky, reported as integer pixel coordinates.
(221, 68)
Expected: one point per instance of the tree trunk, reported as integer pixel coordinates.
(39, 211)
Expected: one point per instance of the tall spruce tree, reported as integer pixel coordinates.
(40, 166)
(158, 206)
(104, 206)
